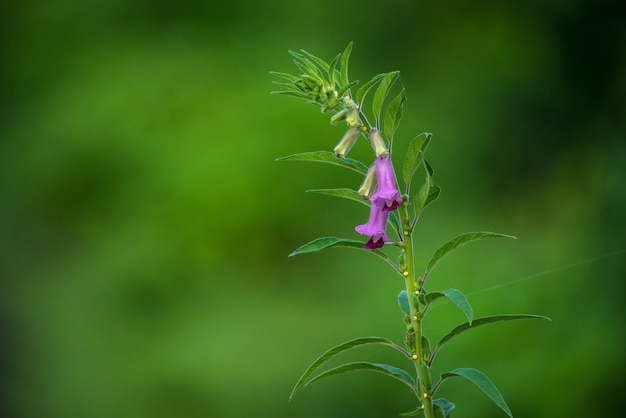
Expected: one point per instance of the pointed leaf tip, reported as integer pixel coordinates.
(479, 322)
(329, 158)
(415, 156)
(415, 413)
(457, 242)
(482, 381)
(394, 114)
(445, 406)
(365, 88)
(381, 93)
(428, 193)
(403, 302)
(338, 350)
(386, 369)
(344, 193)
(329, 242)
(343, 67)
(326, 242)
(455, 296)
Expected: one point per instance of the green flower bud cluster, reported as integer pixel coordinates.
(323, 84)
(321, 92)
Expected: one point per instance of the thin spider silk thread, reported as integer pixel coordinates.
(522, 279)
(549, 271)
(540, 274)
(529, 277)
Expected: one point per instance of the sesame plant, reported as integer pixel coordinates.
(395, 208)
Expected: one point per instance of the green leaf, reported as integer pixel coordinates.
(414, 157)
(357, 342)
(438, 412)
(479, 322)
(456, 297)
(342, 91)
(345, 58)
(394, 114)
(332, 71)
(343, 193)
(288, 77)
(327, 242)
(386, 369)
(327, 157)
(289, 86)
(381, 93)
(318, 61)
(403, 302)
(479, 379)
(394, 220)
(425, 348)
(416, 413)
(457, 242)
(428, 193)
(362, 91)
(444, 405)
(293, 93)
(305, 65)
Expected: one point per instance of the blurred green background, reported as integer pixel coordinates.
(145, 227)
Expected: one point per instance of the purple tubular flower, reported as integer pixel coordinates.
(375, 227)
(387, 195)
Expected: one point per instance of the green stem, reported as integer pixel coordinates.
(415, 329)
(364, 120)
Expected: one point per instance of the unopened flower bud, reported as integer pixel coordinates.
(378, 144)
(352, 117)
(347, 101)
(369, 184)
(339, 116)
(348, 140)
(310, 82)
